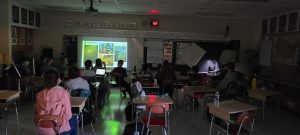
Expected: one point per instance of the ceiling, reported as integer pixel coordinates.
(218, 8)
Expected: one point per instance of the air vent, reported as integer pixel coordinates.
(263, 1)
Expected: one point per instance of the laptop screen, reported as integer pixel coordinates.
(100, 72)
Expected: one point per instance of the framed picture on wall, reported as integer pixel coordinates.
(22, 36)
(264, 28)
(15, 14)
(24, 16)
(31, 18)
(37, 20)
(292, 21)
(273, 25)
(168, 48)
(282, 23)
(14, 36)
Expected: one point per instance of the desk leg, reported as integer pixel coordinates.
(263, 109)
(136, 119)
(17, 116)
(82, 123)
(211, 124)
(5, 111)
(193, 111)
(78, 124)
(168, 120)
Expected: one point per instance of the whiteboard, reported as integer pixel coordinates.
(154, 50)
(265, 53)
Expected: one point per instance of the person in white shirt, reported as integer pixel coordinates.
(88, 71)
(75, 80)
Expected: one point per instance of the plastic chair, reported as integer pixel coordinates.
(158, 116)
(244, 124)
(48, 121)
(82, 93)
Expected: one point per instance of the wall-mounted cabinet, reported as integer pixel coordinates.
(24, 17)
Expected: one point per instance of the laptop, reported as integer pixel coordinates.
(100, 72)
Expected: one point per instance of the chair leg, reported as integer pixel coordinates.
(17, 118)
(92, 127)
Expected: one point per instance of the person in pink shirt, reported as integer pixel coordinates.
(55, 100)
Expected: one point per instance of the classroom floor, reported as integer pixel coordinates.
(111, 120)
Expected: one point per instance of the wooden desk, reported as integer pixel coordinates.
(152, 99)
(264, 95)
(197, 92)
(78, 103)
(34, 82)
(154, 87)
(8, 97)
(227, 109)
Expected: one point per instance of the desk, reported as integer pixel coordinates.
(152, 99)
(8, 97)
(152, 88)
(226, 109)
(34, 82)
(263, 95)
(197, 92)
(78, 103)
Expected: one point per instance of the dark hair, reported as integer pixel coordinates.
(120, 61)
(88, 64)
(98, 63)
(50, 78)
(144, 67)
(74, 72)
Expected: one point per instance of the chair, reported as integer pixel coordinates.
(157, 116)
(82, 93)
(48, 121)
(243, 124)
(117, 78)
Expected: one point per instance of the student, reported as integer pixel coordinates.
(63, 67)
(120, 78)
(88, 72)
(146, 75)
(75, 80)
(167, 78)
(55, 100)
(230, 76)
(99, 64)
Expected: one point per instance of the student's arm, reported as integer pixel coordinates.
(67, 100)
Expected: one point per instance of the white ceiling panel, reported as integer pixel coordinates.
(236, 8)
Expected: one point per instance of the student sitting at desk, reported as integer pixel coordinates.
(145, 76)
(75, 80)
(99, 64)
(229, 77)
(167, 78)
(88, 72)
(119, 73)
(55, 100)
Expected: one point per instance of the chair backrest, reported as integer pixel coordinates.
(157, 108)
(245, 118)
(48, 121)
(80, 93)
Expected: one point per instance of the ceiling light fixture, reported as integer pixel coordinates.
(90, 5)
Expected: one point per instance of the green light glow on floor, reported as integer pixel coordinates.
(112, 127)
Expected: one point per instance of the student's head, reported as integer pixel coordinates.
(98, 62)
(49, 62)
(74, 72)
(120, 63)
(51, 78)
(144, 67)
(88, 64)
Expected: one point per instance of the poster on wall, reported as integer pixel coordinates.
(22, 36)
(29, 37)
(14, 36)
(273, 25)
(31, 18)
(15, 14)
(24, 16)
(292, 21)
(282, 23)
(168, 47)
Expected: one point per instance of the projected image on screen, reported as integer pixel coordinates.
(108, 51)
